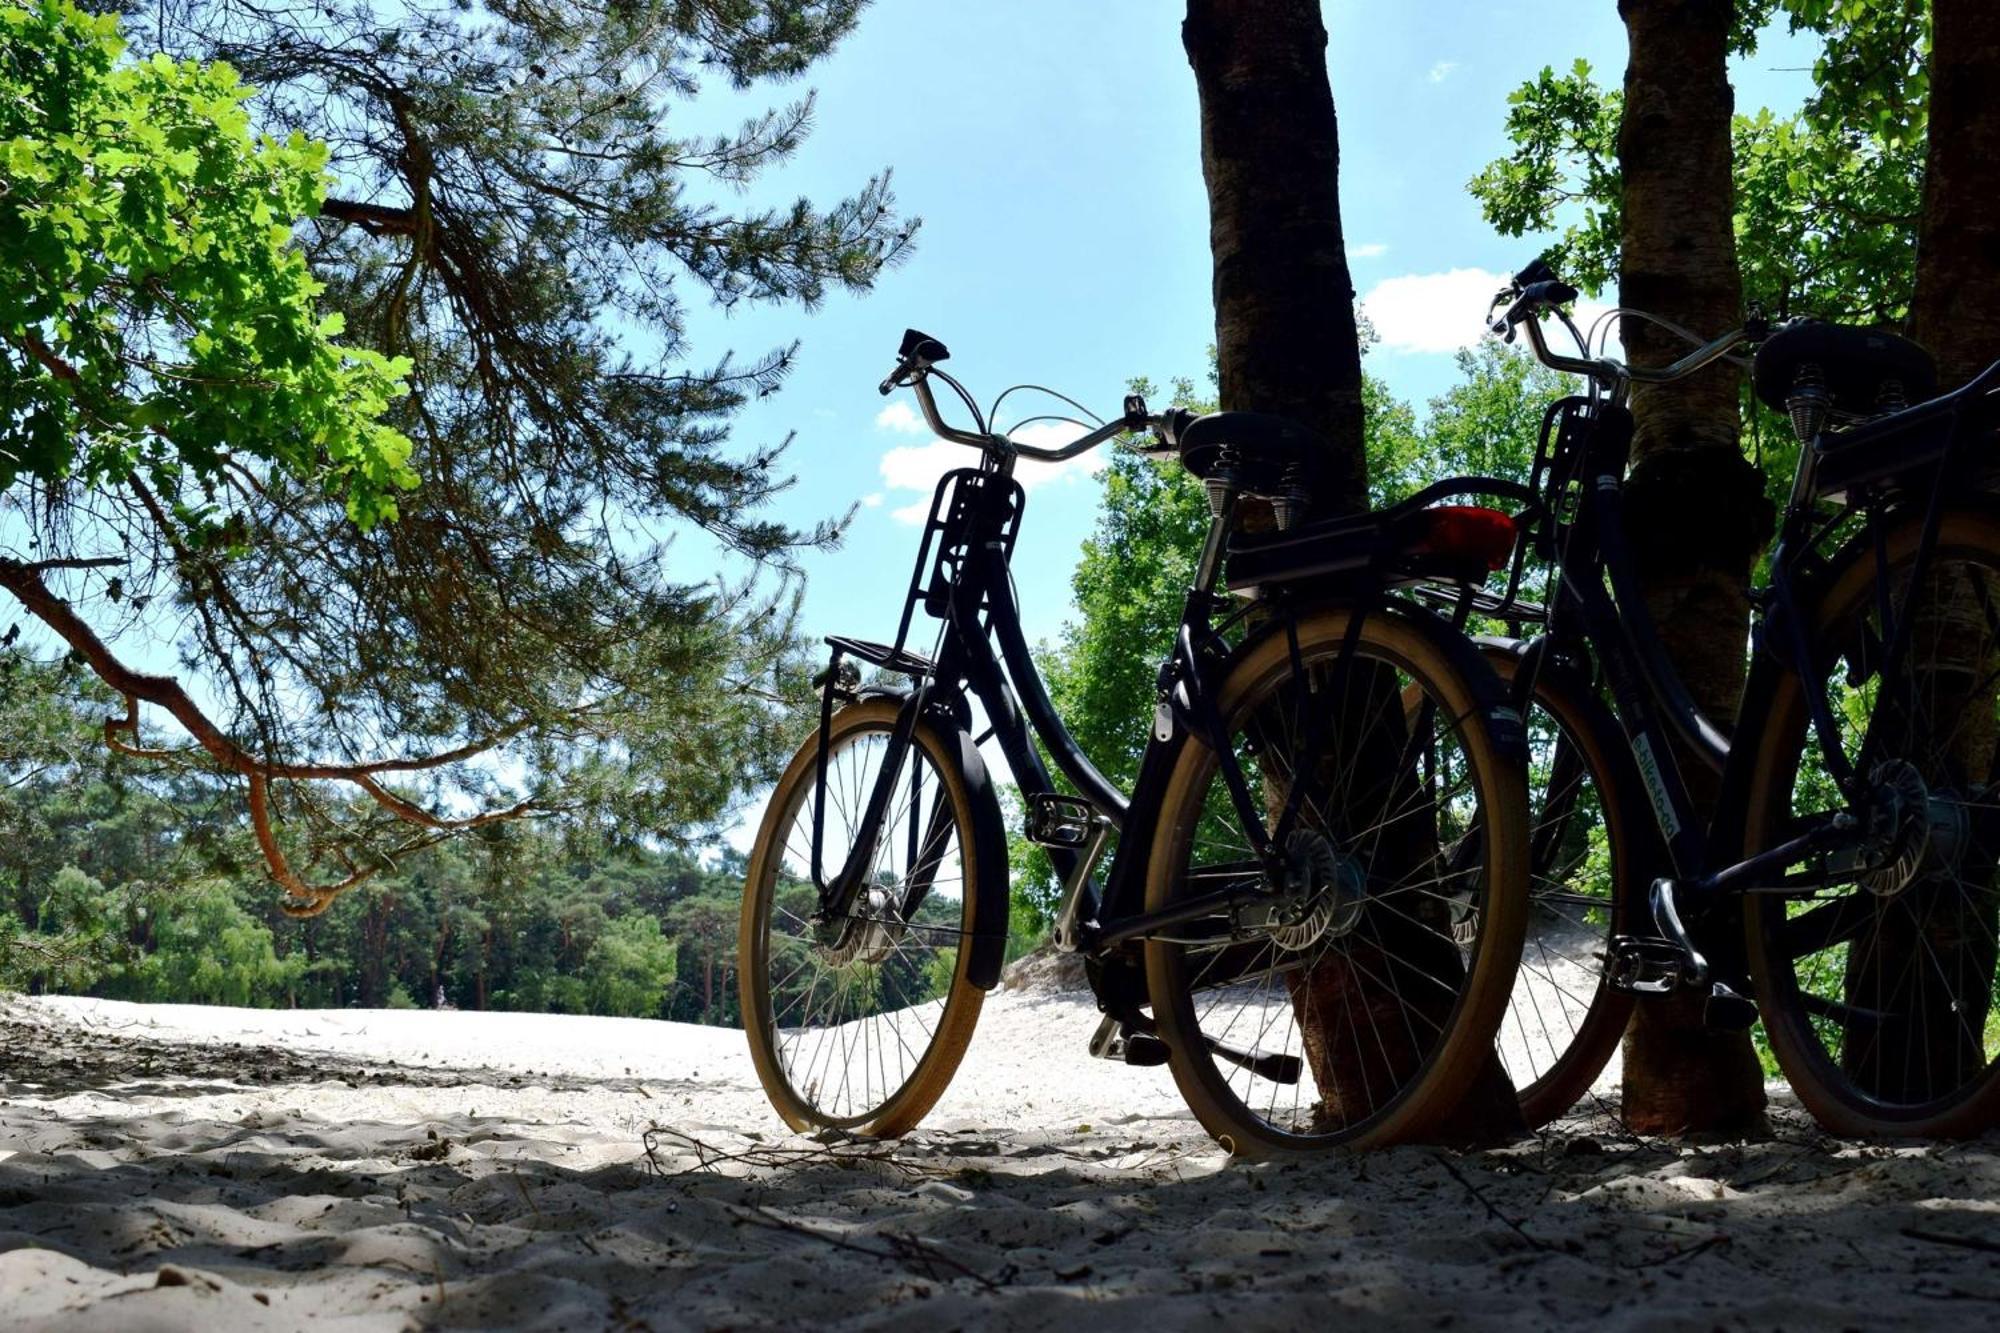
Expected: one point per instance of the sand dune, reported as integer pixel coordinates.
(169, 1167)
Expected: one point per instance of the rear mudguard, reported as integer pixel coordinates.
(1649, 854)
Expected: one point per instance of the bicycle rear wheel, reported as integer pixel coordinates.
(1357, 1004)
(1877, 992)
(1563, 1018)
(860, 1023)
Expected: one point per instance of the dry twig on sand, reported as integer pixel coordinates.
(904, 1249)
(1486, 1203)
(709, 1158)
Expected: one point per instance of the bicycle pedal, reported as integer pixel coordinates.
(1642, 965)
(1113, 1040)
(1727, 1011)
(1061, 821)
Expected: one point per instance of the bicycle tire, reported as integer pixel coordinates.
(1479, 951)
(879, 958)
(1584, 858)
(1834, 1026)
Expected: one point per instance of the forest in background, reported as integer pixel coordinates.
(131, 885)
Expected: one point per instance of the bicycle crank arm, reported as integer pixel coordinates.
(1136, 1042)
(1278, 1068)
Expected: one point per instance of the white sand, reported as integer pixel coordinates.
(171, 1167)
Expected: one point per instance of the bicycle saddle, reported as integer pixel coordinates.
(1865, 372)
(1259, 445)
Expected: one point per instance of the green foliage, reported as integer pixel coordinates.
(1826, 199)
(132, 882)
(159, 320)
(1563, 170)
(1825, 224)
(516, 233)
(1872, 76)
(206, 948)
(630, 968)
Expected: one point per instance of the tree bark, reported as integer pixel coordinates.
(1285, 339)
(1695, 507)
(1955, 313)
(1956, 309)
(1286, 343)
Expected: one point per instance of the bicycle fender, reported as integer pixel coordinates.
(987, 949)
(988, 945)
(1489, 693)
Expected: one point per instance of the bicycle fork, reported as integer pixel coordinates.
(838, 893)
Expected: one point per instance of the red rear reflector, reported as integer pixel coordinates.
(1468, 532)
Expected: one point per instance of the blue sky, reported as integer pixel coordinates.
(1052, 150)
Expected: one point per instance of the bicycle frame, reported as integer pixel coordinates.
(1651, 701)
(962, 579)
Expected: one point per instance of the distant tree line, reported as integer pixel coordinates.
(123, 882)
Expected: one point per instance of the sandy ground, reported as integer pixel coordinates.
(213, 1169)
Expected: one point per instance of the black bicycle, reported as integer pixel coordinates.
(1847, 878)
(1314, 907)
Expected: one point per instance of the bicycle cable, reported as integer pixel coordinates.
(994, 412)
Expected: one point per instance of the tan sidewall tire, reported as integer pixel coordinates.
(1780, 736)
(1589, 1051)
(1449, 1075)
(940, 1061)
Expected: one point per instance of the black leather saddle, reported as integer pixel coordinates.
(1865, 371)
(1266, 452)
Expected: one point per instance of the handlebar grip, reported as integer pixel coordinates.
(1537, 271)
(919, 351)
(1548, 292)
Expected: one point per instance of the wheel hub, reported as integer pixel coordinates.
(1324, 892)
(1925, 831)
(873, 930)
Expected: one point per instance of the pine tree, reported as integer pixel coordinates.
(514, 217)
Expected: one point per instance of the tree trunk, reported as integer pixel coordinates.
(1955, 313)
(1286, 343)
(1956, 310)
(1695, 508)
(1285, 339)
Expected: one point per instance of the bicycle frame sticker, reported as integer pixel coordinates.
(1656, 786)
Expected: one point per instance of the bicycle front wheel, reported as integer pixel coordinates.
(1877, 991)
(859, 1022)
(1356, 1001)
(1563, 1018)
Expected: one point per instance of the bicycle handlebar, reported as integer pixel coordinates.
(1542, 291)
(915, 363)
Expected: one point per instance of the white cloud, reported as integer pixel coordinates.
(872, 500)
(1432, 313)
(1370, 250)
(1441, 71)
(900, 418)
(914, 469)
